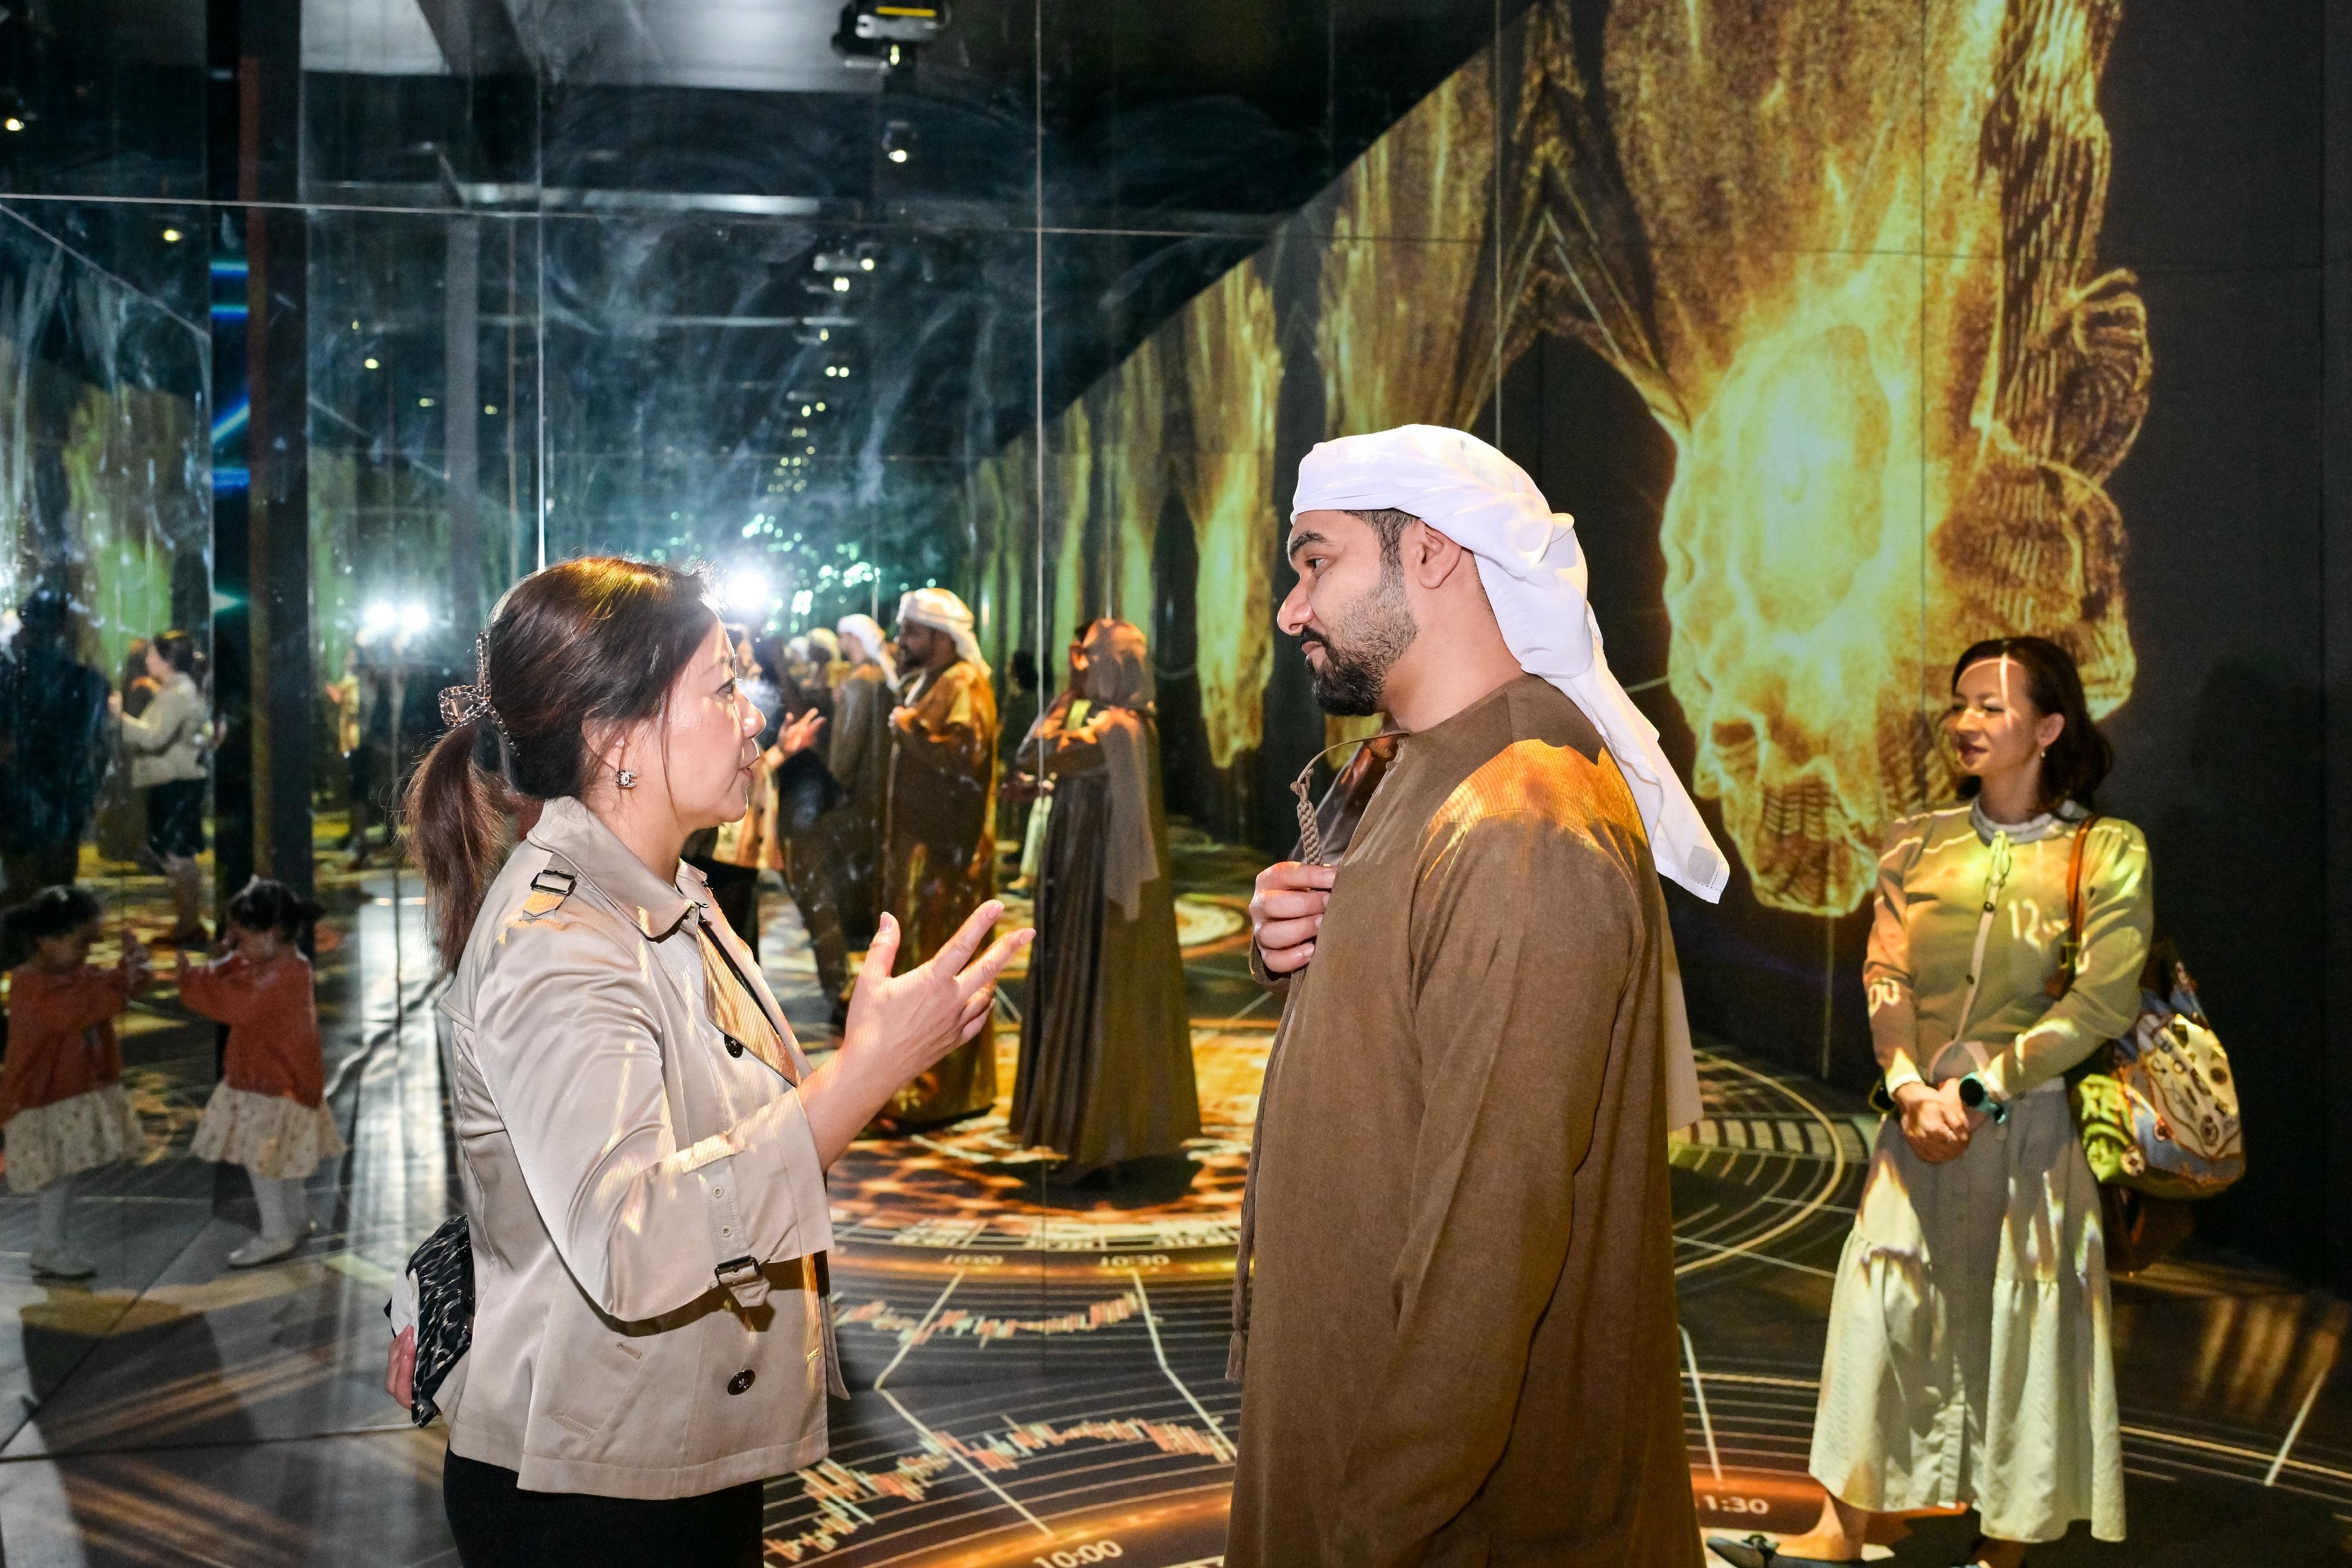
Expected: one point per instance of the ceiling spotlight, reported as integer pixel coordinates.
(746, 590)
(414, 617)
(372, 362)
(840, 285)
(424, 402)
(380, 617)
(14, 122)
(172, 236)
(866, 264)
(807, 410)
(898, 141)
(489, 408)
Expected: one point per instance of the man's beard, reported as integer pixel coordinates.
(1360, 649)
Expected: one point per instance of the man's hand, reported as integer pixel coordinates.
(1286, 911)
(1935, 1123)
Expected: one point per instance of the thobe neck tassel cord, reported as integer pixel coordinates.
(1310, 833)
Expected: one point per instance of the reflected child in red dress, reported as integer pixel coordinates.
(267, 1113)
(61, 1093)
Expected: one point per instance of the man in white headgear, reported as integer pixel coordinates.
(938, 861)
(1454, 1302)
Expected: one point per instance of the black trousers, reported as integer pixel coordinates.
(498, 1525)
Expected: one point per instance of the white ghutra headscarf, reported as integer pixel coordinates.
(861, 638)
(1534, 575)
(943, 611)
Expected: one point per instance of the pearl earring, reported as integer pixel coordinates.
(626, 779)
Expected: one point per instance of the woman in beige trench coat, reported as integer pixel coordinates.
(643, 1144)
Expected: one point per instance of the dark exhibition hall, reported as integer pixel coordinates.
(1261, 784)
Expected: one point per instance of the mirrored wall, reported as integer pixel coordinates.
(326, 320)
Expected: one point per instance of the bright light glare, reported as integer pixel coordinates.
(172, 236)
(898, 155)
(415, 617)
(840, 285)
(746, 591)
(866, 265)
(803, 601)
(380, 617)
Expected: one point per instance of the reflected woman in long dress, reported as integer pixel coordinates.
(1106, 1071)
(860, 740)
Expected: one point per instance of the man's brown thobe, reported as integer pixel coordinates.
(1460, 1341)
(940, 863)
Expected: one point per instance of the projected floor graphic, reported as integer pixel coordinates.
(1037, 1371)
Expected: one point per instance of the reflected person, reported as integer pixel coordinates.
(1106, 1071)
(1970, 1361)
(940, 849)
(861, 761)
(166, 745)
(121, 827)
(53, 749)
(643, 1144)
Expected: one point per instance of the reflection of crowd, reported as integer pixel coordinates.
(76, 755)
(875, 790)
(385, 702)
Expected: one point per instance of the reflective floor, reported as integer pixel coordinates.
(1038, 1371)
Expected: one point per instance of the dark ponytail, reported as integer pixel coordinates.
(265, 905)
(592, 642)
(52, 912)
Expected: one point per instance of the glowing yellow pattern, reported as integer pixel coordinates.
(1894, 382)
(1234, 369)
(1847, 255)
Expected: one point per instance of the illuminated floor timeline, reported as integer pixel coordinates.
(1038, 1372)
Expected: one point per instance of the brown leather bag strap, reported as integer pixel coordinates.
(2073, 951)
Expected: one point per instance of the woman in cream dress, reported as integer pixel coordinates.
(1969, 1360)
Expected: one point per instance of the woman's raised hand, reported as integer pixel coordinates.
(900, 1025)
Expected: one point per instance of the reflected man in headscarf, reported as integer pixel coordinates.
(1106, 1068)
(940, 856)
(861, 761)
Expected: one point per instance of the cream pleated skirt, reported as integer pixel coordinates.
(47, 1142)
(268, 1135)
(1969, 1360)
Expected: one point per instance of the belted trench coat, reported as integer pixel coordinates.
(644, 1196)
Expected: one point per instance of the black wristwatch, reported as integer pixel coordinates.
(1977, 1097)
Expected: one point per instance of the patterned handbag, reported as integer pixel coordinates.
(444, 1265)
(2158, 1113)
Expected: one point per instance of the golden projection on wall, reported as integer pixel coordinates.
(1851, 267)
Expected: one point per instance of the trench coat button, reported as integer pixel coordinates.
(740, 1381)
(734, 1046)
